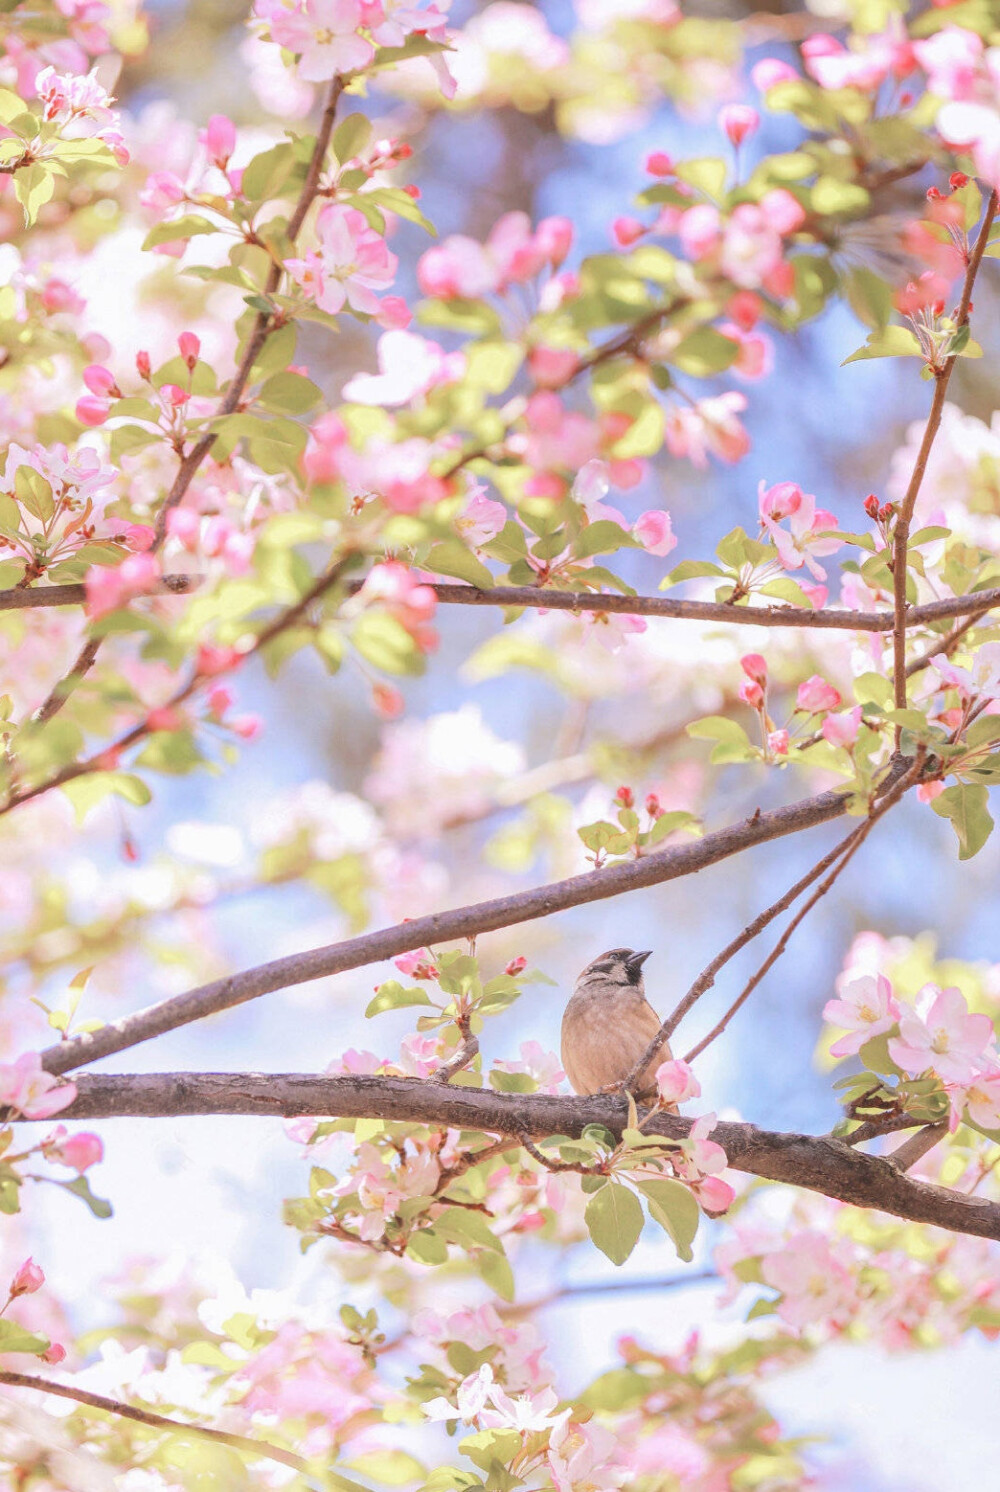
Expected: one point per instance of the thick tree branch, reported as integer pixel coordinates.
(901, 532)
(815, 1162)
(505, 911)
(258, 1448)
(76, 594)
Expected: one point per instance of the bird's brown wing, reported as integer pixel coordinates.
(648, 1022)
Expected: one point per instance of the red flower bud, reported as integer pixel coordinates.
(142, 364)
(625, 797)
(957, 179)
(755, 667)
(871, 505)
(516, 966)
(653, 806)
(28, 1279)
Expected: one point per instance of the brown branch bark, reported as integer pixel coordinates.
(463, 922)
(815, 1162)
(901, 532)
(259, 1448)
(973, 605)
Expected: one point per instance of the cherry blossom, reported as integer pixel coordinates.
(813, 1278)
(865, 1007)
(409, 367)
(324, 33)
(26, 1087)
(982, 681)
(351, 263)
(675, 1082)
(940, 1035)
(800, 543)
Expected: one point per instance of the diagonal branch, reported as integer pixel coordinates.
(816, 1162)
(257, 1448)
(523, 906)
(901, 532)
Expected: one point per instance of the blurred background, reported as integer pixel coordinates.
(467, 745)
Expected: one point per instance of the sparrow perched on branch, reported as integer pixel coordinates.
(609, 1023)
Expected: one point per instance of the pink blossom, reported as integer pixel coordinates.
(865, 1008)
(654, 532)
(756, 354)
(393, 313)
(800, 542)
(409, 367)
(352, 261)
(982, 681)
(481, 519)
(842, 730)
(189, 346)
(751, 694)
(536, 1063)
(816, 696)
(658, 163)
(325, 35)
(460, 266)
(941, 1035)
(584, 1456)
(91, 411)
(980, 1098)
(814, 1283)
(33, 1092)
(754, 665)
(552, 367)
(27, 1280)
(403, 595)
(777, 742)
(53, 1354)
(417, 964)
(711, 426)
(211, 660)
(162, 190)
(675, 1082)
(738, 122)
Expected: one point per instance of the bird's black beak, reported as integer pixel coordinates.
(635, 961)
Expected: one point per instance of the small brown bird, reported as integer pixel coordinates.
(609, 1023)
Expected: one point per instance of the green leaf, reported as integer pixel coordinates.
(86, 792)
(707, 173)
(704, 353)
(385, 642)
(290, 393)
(965, 805)
(602, 537)
(674, 1206)
(394, 996)
(34, 186)
(690, 570)
(614, 1220)
(394, 1468)
(831, 196)
(34, 493)
(350, 137)
(81, 1188)
(734, 743)
(452, 558)
(268, 172)
(181, 228)
(14, 1338)
(888, 341)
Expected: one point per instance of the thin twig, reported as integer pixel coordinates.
(706, 978)
(901, 532)
(916, 1147)
(847, 850)
(259, 1448)
(467, 1052)
(651, 1284)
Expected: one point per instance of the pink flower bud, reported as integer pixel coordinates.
(769, 72)
(658, 163)
(554, 239)
(777, 742)
(816, 696)
(871, 505)
(220, 699)
(627, 231)
(715, 1195)
(738, 121)
(142, 365)
(625, 797)
(80, 1152)
(653, 807)
(516, 966)
(101, 381)
(247, 727)
(165, 718)
(675, 1082)
(53, 1354)
(190, 347)
(752, 694)
(174, 395)
(745, 308)
(28, 1279)
(755, 667)
(219, 138)
(388, 702)
(215, 660)
(393, 313)
(92, 411)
